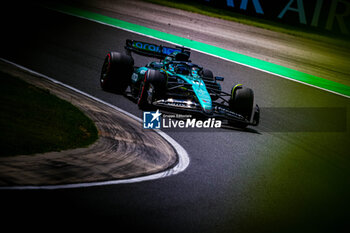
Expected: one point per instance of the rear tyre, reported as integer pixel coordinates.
(209, 80)
(116, 72)
(241, 102)
(207, 75)
(215, 90)
(152, 87)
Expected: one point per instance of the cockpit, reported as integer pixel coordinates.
(185, 68)
(182, 69)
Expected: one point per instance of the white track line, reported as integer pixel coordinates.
(183, 160)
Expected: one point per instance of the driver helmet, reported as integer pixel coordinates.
(182, 69)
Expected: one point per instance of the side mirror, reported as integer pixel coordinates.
(221, 79)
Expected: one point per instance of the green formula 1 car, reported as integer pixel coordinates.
(177, 84)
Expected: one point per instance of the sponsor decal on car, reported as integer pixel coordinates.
(154, 48)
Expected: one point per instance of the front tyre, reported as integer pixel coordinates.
(152, 87)
(116, 72)
(242, 102)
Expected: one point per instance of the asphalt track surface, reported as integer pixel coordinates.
(264, 179)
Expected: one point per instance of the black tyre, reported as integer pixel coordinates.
(207, 75)
(214, 89)
(242, 102)
(208, 78)
(152, 87)
(116, 72)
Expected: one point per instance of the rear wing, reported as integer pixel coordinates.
(152, 50)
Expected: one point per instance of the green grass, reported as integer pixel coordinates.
(34, 121)
(308, 33)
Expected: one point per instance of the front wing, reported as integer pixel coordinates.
(220, 111)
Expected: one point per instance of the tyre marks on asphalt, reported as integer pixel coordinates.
(124, 149)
